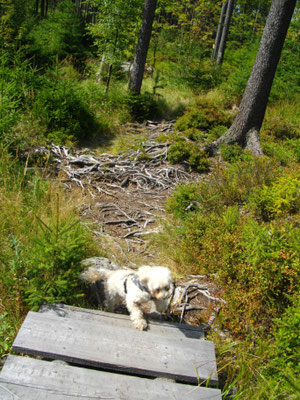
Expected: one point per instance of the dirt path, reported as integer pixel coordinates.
(125, 199)
(126, 193)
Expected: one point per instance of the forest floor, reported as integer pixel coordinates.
(124, 203)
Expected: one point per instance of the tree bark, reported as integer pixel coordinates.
(42, 8)
(219, 31)
(223, 40)
(100, 70)
(246, 126)
(136, 76)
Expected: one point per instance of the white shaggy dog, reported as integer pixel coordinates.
(135, 287)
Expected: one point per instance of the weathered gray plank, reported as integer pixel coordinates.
(96, 344)
(156, 327)
(31, 379)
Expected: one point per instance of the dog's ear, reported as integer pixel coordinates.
(144, 274)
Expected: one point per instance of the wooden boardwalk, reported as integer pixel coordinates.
(88, 354)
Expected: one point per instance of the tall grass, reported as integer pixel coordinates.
(41, 245)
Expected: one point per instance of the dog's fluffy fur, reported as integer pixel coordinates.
(135, 287)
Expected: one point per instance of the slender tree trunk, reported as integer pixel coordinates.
(111, 66)
(36, 6)
(99, 72)
(108, 77)
(46, 10)
(136, 76)
(221, 49)
(42, 8)
(78, 5)
(219, 31)
(246, 126)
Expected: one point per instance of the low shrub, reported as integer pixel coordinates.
(214, 231)
(286, 346)
(41, 245)
(182, 150)
(279, 152)
(183, 200)
(63, 113)
(282, 129)
(203, 116)
(217, 132)
(233, 152)
(142, 106)
(280, 199)
(53, 269)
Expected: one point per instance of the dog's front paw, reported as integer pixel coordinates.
(140, 324)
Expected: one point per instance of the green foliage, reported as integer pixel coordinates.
(182, 150)
(287, 79)
(115, 30)
(142, 106)
(203, 117)
(233, 153)
(60, 35)
(286, 349)
(238, 63)
(183, 201)
(41, 245)
(271, 254)
(7, 333)
(278, 200)
(16, 18)
(17, 81)
(63, 112)
(280, 152)
(217, 132)
(282, 129)
(214, 233)
(53, 270)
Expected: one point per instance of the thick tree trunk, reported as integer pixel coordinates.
(246, 126)
(219, 31)
(136, 76)
(222, 45)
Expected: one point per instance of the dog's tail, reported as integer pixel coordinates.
(93, 275)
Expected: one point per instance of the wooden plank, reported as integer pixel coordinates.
(156, 327)
(26, 378)
(99, 345)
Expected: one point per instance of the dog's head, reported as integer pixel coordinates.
(158, 280)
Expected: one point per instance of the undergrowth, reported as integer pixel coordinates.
(241, 227)
(41, 245)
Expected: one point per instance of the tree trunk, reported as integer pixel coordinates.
(246, 126)
(136, 76)
(221, 49)
(219, 31)
(42, 8)
(78, 5)
(108, 78)
(36, 6)
(100, 70)
(110, 70)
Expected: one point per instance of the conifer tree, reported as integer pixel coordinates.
(246, 126)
